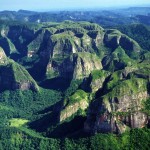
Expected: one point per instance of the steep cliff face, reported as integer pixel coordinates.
(15, 38)
(13, 76)
(46, 48)
(114, 38)
(3, 57)
(80, 65)
(95, 80)
(8, 46)
(82, 37)
(117, 60)
(112, 67)
(76, 103)
(119, 109)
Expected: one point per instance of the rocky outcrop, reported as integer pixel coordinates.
(73, 109)
(95, 81)
(3, 57)
(120, 109)
(79, 65)
(61, 47)
(13, 76)
(114, 38)
(49, 47)
(79, 101)
(129, 44)
(117, 60)
(113, 71)
(25, 85)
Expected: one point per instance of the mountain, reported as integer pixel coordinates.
(64, 81)
(104, 17)
(13, 76)
(138, 32)
(45, 50)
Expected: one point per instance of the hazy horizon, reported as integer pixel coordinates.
(36, 5)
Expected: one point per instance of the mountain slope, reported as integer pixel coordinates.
(100, 77)
(13, 76)
(45, 49)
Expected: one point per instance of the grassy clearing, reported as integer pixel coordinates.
(17, 122)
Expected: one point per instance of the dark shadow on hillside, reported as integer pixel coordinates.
(102, 91)
(54, 108)
(49, 117)
(59, 84)
(45, 122)
(73, 129)
(35, 73)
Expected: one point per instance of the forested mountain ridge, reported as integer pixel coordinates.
(104, 17)
(73, 79)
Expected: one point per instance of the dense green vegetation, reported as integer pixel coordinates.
(139, 32)
(81, 71)
(97, 74)
(146, 104)
(16, 139)
(26, 104)
(74, 85)
(78, 96)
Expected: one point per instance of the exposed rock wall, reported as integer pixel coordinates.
(54, 47)
(72, 109)
(80, 65)
(118, 113)
(13, 76)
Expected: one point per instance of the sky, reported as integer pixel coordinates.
(67, 4)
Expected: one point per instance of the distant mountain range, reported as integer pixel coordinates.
(103, 17)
